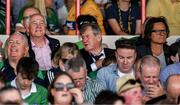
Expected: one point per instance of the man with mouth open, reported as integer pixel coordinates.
(93, 52)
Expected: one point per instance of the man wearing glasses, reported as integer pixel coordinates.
(76, 67)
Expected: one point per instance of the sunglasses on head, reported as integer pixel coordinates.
(64, 60)
(60, 86)
(130, 81)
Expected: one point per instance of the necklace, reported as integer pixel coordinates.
(129, 20)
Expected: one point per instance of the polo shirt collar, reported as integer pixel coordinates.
(32, 90)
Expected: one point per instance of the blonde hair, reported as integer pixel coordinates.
(69, 47)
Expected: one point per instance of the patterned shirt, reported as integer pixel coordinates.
(91, 90)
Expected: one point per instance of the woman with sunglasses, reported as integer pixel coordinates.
(62, 91)
(67, 51)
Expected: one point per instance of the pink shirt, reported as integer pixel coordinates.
(43, 55)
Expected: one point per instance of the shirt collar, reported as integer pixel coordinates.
(46, 42)
(120, 74)
(32, 90)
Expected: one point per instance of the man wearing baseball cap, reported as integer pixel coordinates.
(130, 89)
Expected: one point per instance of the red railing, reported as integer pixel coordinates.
(8, 13)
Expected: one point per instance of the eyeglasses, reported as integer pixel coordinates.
(64, 60)
(160, 31)
(26, 17)
(11, 42)
(60, 86)
(78, 79)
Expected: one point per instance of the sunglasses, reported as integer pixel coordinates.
(64, 60)
(130, 81)
(160, 31)
(60, 86)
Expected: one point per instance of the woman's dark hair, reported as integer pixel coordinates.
(149, 27)
(50, 97)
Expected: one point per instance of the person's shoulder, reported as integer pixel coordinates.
(108, 5)
(83, 52)
(172, 67)
(94, 84)
(41, 88)
(108, 49)
(51, 38)
(108, 69)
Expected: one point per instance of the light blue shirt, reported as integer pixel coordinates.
(168, 71)
(107, 76)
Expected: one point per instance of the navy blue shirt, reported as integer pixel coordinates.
(111, 12)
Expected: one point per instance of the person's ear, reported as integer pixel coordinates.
(52, 92)
(26, 52)
(99, 37)
(173, 58)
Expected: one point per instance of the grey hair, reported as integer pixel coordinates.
(149, 60)
(75, 64)
(29, 18)
(25, 39)
(95, 28)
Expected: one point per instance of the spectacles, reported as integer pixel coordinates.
(78, 79)
(60, 86)
(26, 17)
(11, 42)
(64, 60)
(160, 31)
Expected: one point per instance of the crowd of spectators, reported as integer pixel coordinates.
(37, 69)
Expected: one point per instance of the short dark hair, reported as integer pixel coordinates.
(173, 50)
(179, 51)
(28, 67)
(75, 64)
(125, 43)
(149, 27)
(84, 19)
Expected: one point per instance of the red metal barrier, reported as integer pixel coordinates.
(8, 13)
(8, 17)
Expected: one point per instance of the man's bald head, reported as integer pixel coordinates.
(173, 87)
